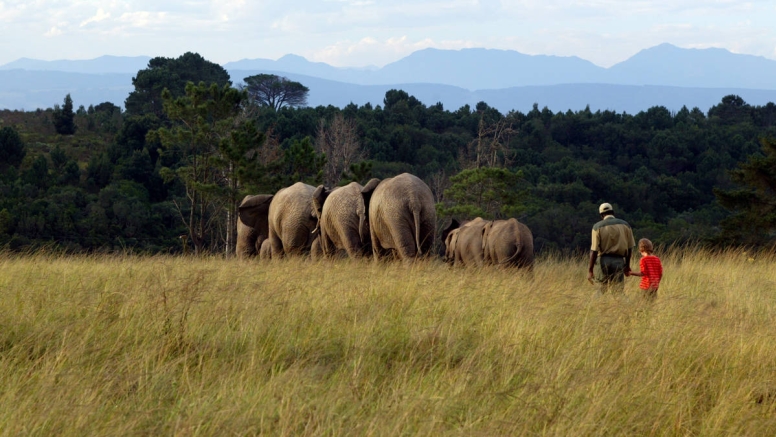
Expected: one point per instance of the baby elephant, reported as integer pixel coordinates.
(463, 245)
(508, 243)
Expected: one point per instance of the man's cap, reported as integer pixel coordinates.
(605, 207)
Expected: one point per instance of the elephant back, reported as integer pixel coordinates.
(403, 207)
(470, 247)
(509, 243)
(291, 218)
(343, 220)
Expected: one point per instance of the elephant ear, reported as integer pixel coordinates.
(367, 192)
(454, 224)
(319, 197)
(253, 210)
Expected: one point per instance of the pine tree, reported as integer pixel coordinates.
(64, 117)
(219, 151)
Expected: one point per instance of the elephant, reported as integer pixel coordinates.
(464, 244)
(316, 252)
(401, 215)
(291, 221)
(342, 222)
(508, 243)
(265, 252)
(451, 240)
(252, 224)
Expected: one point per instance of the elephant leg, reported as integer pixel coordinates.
(327, 244)
(405, 245)
(276, 245)
(316, 250)
(377, 251)
(380, 253)
(291, 243)
(352, 245)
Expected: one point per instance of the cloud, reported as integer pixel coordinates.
(99, 16)
(10, 12)
(143, 18)
(54, 31)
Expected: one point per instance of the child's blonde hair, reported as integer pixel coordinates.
(646, 246)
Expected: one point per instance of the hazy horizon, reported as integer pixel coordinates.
(364, 33)
(353, 66)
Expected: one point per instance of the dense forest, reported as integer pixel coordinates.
(189, 145)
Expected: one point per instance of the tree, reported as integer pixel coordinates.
(486, 192)
(339, 141)
(275, 91)
(732, 110)
(490, 147)
(172, 74)
(12, 149)
(213, 146)
(754, 205)
(63, 117)
(301, 162)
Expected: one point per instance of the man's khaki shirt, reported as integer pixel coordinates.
(612, 236)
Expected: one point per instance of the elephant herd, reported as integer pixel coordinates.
(389, 217)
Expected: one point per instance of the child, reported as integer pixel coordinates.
(651, 270)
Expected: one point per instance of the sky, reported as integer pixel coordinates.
(359, 33)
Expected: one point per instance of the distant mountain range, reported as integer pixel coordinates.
(101, 65)
(663, 75)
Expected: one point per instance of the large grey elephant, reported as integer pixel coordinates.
(291, 220)
(342, 222)
(463, 245)
(252, 224)
(508, 243)
(401, 216)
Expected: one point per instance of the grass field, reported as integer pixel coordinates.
(186, 346)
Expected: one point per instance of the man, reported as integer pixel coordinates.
(611, 251)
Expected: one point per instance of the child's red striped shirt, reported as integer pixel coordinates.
(652, 269)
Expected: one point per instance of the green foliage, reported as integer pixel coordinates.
(301, 163)
(38, 172)
(6, 224)
(486, 192)
(172, 74)
(63, 117)
(754, 203)
(360, 172)
(275, 91)
(215, 152)
(12, 149)
(99, 171)
(132, 180)
(105, 117)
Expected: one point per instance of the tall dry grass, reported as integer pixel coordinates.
(185, 346)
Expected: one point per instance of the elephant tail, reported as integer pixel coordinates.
(417, 232)
(513, 258)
